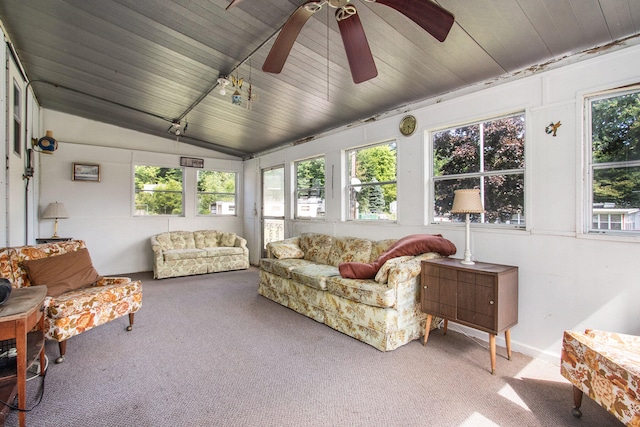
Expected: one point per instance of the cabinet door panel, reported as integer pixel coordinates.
(485, 300)
(485, 321)
(466, 296)
(466, 316)
(485, 279)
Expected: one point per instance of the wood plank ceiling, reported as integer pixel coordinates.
(141, 64)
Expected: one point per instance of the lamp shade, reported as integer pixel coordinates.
(467, 201)
(55, 210)
(47, 144)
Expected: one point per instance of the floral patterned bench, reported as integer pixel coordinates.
(605, 366)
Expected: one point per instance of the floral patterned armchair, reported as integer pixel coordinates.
(76, 310)
(606, 366)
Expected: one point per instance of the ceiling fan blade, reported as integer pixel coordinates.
(233, 3)
(356, 45)
(433, 18)
(284, 42)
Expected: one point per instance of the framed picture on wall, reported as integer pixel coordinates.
(86, 172)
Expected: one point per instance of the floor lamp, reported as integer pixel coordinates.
(467, 202)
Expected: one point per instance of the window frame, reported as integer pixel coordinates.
(16, 118)
(590, 166)
(322, 189)
(349, 185)
(182, 192)
(479, 175)
(198, 193)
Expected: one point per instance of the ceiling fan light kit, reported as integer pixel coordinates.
(428, 15)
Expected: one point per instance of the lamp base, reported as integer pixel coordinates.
(55, 229)
(465, 262)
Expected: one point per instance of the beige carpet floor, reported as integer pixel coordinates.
(209, 351)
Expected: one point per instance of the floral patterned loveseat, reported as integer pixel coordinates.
(303, 273)
(185, 253)
(605, 366)
(77, 310)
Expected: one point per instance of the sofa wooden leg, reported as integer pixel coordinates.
(130, 327)
(577, 402)
(62, 345)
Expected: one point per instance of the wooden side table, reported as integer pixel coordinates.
(52, 239)
(482, 296)
(18, 317)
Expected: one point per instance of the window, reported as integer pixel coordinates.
(158, 191)
(372, 185)
(614, 161)
(486, 155)
(216, 193)
(309, 195)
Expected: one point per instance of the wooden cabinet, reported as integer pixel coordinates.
(482, 296)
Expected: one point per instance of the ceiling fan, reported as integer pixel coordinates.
(428, 15)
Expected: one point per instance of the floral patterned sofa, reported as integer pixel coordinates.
(185, 253)
(605, 366)
(74, 310)
(303, 273)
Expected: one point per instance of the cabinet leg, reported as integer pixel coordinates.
(427, 328)
(507, 339)
(446, 325)
(492, 351)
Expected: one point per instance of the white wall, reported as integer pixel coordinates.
(102, 213)
(567, 279)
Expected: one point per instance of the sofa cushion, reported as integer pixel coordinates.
(283, 267)
(114, 297)
(176, 240)
(206, 238)
(227, 239)
(378, 247)
(177, 254)
(314, 275)
(285, 250)
(62, 273)
(316, 247)
(367, 291)
(220, 251)
(349, 249)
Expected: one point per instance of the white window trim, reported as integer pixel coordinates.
(294, 215)
(347, 187)
(584, 202)
(197, 193)
(430, 182)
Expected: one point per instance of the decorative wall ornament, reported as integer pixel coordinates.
(552, 128)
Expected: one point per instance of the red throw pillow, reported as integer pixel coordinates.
(414, 244)
(62, 273)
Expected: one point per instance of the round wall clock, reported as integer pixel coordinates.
(408, 125)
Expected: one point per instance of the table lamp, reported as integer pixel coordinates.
(467, 202)
(55, 210)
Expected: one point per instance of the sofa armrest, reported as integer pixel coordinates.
(242, 243)
(285, 249)
(407, 270)
(157, 251)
